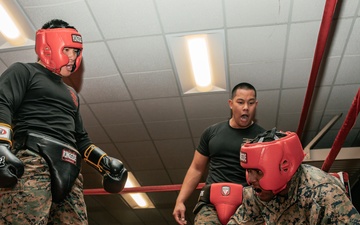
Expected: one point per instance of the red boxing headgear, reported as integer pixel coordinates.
(278, 158)
(50, 43)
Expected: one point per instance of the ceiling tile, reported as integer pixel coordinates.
(141, 149)
(65, 10)
(291, 100)
(88, 117)
(98, 61)
(207, 106)
(352, 47)
(146, 164)
(97, 134)
(297, 73)
(314, 12)
(339, 37)
(177, 175)
(176, 153)
(104, 89)
(319, 99)
(138, 17)
(155, 84)
(328, 71)
(341, 97)
(116, 113)
(255, 73)
(137, 55)
(163, 109)
(288, 121)
(298, 39)
(349, 70)
(267, 108)
(178, 16)
(161, 199)
(152, 177)
(24, 55)
(348, 9)
(168, 129)
(251, 44)
(142, 155)
(127, 132)
(256, 12)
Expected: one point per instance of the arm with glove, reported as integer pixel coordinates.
(112, 169)
(11, 168)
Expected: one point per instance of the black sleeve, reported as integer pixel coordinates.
(203, 147)
(13, 86)
(82, 138)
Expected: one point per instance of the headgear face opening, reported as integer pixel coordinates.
(278, 158)
(49, 47)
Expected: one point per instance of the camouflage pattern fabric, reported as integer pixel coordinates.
(314, 198)
(30, 201)
(207, 216)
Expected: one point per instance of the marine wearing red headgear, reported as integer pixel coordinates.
(50, 44)
(278, 155)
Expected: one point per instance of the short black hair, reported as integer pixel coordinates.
(242, 85)
(56, 23)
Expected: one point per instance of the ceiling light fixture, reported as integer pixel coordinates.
(199, 57)
(136, 200)
(199, 61)
(9, 29)
(7, 25)
(14, 26)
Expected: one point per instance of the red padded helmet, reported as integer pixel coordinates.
(49, 47)
(277, 154)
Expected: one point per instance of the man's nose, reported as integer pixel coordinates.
(72, 54)
(246, 106)
(251, 177)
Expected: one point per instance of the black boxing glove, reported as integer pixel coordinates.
(11, 168)
(113, 170)
(115, 180)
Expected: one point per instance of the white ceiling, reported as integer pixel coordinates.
(132, 105)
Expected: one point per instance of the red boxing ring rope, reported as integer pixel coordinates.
(319, 51)
(343, 132)
(160, 188)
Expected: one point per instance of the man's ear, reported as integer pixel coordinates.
(230, 102)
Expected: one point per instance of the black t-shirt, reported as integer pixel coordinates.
(33, 99)
(221, 143)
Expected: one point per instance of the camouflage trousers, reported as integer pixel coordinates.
(30, 201)
(207, 216)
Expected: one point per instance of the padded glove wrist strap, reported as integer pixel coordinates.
(93, 155)
(5, 133)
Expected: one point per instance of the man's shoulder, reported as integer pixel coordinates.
(256, 127)
(218, 125)
(314, 177)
